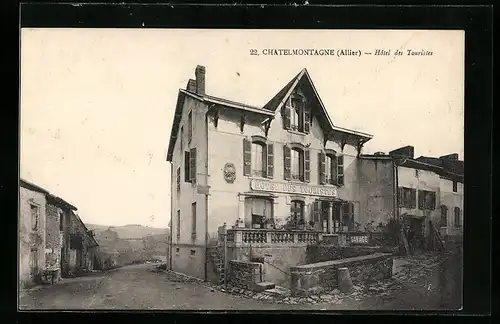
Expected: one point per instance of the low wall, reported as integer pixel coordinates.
(244, 274)
(318, 277)
(277, 259)
(323, 252)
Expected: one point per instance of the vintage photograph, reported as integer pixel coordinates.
(184, 169)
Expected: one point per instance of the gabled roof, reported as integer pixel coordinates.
(85, 229)
(210, 100)
(31, 186)
(59, 202)
(304, 80)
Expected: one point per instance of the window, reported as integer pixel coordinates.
(331, 168)
(260, 210)
(178, 179)
(457, 217)
(35, 216)
(297, 162)
(177, 250)
(426, 200)
(61, 221)
(182, 138)
(297, 210)
(190, 126)
(407, 197)
(297, 165)
(258, 157)
(443, 221)
(348, 217)
(193, 220)
(416, 173)
(258, 163)
(190, 166)
(455, 185)
(178, 229)
(296, 114)
(192, 253)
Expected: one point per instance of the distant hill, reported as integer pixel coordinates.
(133, 231)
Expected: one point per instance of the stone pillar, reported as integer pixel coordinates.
(330, 217)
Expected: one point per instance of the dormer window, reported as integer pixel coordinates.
(296, 114)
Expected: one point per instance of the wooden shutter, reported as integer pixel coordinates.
(413, 199)
(421, 199)
(400, 197)
(307, 166)
(287, 162)
(286, 116)
(247, 157)
(321, 168)
(351, 216)
(307, 117)
(316, 211)
(192, 165)
(178, 179)
(340, 170)
(270, 161)
(187, 163)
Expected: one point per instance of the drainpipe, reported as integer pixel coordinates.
(171, 216)
(206, 193)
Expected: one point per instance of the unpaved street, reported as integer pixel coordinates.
(138, 287)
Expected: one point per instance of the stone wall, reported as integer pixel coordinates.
(322, 252)
(244, 274)
(318, 277)
(53, 242)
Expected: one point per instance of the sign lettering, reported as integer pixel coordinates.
(294, 188)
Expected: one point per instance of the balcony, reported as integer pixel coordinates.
(271, 237)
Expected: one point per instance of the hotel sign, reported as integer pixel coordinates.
(293, 188)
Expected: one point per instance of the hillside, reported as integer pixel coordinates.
(129, 231)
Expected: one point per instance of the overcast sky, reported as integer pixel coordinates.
(97, 104)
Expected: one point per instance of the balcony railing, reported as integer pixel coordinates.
(450, 230)
(243, 236)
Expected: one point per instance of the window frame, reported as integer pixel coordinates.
(443, 216)
(35, 219)
(301, 207)
(300, 164)
(194, 220)
(178, 229)
(296, 114)
(262, 173)
(457, 215)
(190, 126)
(455, 186)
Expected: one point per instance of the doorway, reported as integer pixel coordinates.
(324, 218)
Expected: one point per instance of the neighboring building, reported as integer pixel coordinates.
(285, 161)
(32, 211)
(47, 229)
(427, 189)
(82, 246)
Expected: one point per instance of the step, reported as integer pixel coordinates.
(261, 286)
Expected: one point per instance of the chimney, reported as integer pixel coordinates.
(200, 80)
(404, 152)
(191, 85)
(450, 157)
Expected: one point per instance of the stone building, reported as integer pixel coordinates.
(428, 190)
(82, 246)
(253, 167)
(32, 211)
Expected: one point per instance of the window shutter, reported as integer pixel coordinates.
(247, 157)
(307, 118)
(192, 166)
(433, 201)
(287, 161)
(315, 211)
(178, 179)
(187, 163)
(421, 199)
(413, 200)
(286, 116)
(270, 161)
(351, 217)
(307, 166)
(340, 170)
(321, 168)
(400, 197)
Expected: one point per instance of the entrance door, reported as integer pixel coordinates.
(416, 233)
(325, 206)
(33, 262)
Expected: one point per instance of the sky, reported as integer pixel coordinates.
(97, 104)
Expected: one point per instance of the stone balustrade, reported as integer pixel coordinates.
(247, 236)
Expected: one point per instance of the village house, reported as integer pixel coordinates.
(250, 168)
(429, 191)
(32, 209)
(49, 237)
